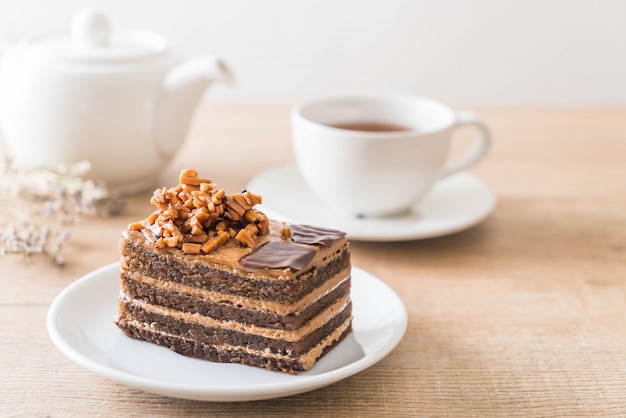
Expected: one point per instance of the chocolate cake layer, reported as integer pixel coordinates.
(175, 323)
(172, 267)
(225, 354)
(240, 309)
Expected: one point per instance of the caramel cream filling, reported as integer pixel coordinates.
(248, 303)
(306, 360)
(287, 335)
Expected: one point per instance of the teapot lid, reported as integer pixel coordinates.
(92, 40)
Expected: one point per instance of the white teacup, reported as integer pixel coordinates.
(378, 155)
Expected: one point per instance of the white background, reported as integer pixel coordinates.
(483, 51)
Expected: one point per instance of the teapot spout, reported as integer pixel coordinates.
(182, 89)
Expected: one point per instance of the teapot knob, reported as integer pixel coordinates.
(91, 29)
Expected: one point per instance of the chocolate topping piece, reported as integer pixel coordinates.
(279, 254)
(307, 234)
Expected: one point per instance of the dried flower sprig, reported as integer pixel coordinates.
(39, 205)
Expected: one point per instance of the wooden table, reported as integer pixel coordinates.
(522, 315)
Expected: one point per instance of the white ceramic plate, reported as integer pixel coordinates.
(454, 204)
(80, 323)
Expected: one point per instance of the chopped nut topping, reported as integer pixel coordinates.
(216, 241)
(198, 218)
(244, 237)
(136, 226)
(189, 177)
(152, 218)
(191, 248)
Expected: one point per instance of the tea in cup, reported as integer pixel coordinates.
(379, 155)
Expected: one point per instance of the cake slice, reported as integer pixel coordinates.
(209, 276)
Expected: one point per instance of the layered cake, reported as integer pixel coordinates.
(210, 276)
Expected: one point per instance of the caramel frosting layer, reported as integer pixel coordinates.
(278, 334)
(245, 302)
(228, 255)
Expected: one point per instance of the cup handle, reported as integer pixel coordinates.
(477, 150)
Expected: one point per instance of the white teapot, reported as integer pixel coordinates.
(119, 99)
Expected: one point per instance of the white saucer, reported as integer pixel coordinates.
(80, 323)
(454, 204)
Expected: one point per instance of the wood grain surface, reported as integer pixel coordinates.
(522, 315)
